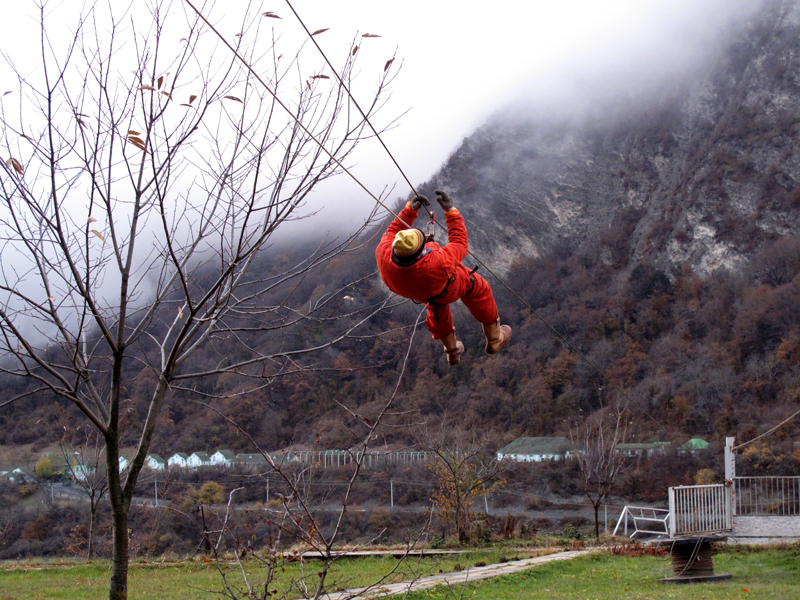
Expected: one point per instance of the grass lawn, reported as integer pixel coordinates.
(79, 580)
(758, 574)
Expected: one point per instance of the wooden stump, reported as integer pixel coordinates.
(692, 562)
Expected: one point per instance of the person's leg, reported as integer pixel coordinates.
(440, 323)
(480, 302)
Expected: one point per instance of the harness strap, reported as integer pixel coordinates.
(444, 291)
(471, 280)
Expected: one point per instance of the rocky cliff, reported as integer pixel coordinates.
(703, 171)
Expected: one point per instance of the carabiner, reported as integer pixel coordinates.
(431, 228)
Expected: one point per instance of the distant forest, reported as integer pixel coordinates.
(697, 357)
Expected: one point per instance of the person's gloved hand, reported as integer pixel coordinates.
(418, 201)
(445, 201)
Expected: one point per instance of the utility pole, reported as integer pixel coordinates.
(730, 474)
(391, 493)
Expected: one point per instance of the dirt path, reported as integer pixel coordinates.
(459, 577)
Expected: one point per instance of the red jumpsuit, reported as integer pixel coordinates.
(437, 278)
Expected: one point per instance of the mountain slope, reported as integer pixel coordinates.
(701, 172)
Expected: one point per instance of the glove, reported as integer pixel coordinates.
(445, 201)
(418, 201)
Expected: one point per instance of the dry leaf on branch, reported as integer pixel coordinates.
(233, 98)
(370, 35)
(100, 235)
(138, 142)
(318, 31)
(320, 77)
(355, 50)
(388, 63)
(147, 87)
(13, 163)
(271, 15)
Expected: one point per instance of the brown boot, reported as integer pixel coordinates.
(497, 336)
(452, 348)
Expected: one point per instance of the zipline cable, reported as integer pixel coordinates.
(558, 334)
(766, 433)
(480, 262)
(355, 102)
(290, 113)
(489, 270)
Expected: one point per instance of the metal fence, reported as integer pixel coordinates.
(646, 521)
(339, 458)
(766, 496)
(698, 509)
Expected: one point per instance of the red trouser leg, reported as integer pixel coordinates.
(480, 301)
(439, 320)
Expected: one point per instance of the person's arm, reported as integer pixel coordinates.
(458, 243)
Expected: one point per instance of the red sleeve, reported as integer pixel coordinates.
(457, 245)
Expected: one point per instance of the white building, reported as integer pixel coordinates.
(178, 460)
(198, 459)
(154, 462)
(537, 449)
(223, 458)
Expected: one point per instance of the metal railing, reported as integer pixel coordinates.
(699, 509)
(646, 521)
(339, 458)
(766, 496)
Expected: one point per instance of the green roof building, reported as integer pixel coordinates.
(693, 445)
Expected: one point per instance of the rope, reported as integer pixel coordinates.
(355, 103)
(290, 113)
(766, 433)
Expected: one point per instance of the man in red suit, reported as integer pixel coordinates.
(432, 274)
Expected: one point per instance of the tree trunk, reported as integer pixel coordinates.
(92, 521)
(120, 505)
(596, 521)
(118, 589)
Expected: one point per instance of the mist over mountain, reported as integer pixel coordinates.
(701, 170)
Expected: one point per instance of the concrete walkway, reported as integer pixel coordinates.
(457, 578)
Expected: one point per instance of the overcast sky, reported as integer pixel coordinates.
(464, 60)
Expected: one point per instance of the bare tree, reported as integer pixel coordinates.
(84, 454)
(229, 540)
(466, 470)
(596, 451)
(146, 172)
